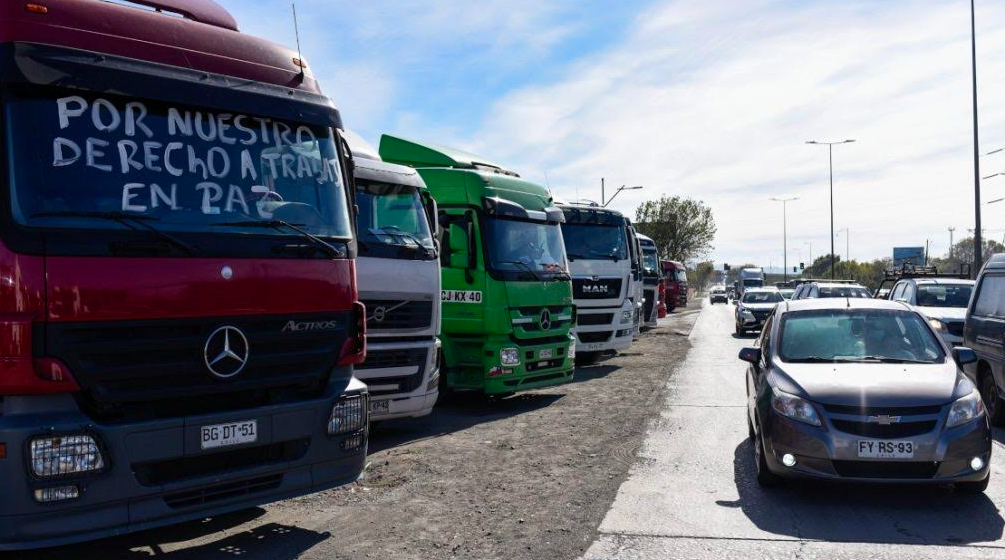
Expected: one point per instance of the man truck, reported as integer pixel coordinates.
(507, 295)
(179, 318)
(597, 245)
(395, 228)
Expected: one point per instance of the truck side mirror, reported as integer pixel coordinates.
(460, 249)
(432, 213)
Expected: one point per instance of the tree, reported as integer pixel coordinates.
(701, 275)
(683, 228)
(963, 253)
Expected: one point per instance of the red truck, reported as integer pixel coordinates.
(179, 318)
(674, 284)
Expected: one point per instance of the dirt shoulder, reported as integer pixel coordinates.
(530, 476)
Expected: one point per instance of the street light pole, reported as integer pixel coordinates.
(952, 230)
(785, 234)
(830, 150)
(604, 203)
(978, 242)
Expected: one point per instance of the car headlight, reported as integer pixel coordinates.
(509, 356)
(937, 324)
(965, 410)
(65, 455)
(796, 408)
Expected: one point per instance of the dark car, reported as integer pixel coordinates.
(984, 331)
(754, 307)
(863, 390)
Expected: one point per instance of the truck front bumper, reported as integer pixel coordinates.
(613, 336)
(387, 400)
(155, 472)
(541, 365)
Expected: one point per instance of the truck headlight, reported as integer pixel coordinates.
(350, 414)
(796, 408)
(965, 410)
(572, 348)
(509, 356)
(65, 455)
(626, 317)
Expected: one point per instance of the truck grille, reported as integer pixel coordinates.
(594, 319)
(220, 492)
(384, 315)
(593, 337)
(133, 370)
(380, 359)
(185, 468)
(604, 288)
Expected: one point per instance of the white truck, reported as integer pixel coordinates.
(398, 274)
(750, 278)
(600, 250)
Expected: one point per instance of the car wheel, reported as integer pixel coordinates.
(765, 478)
(992, 400)
(973, 487)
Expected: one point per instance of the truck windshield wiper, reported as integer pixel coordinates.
(125, 219)
(325, 247)
(526, 267)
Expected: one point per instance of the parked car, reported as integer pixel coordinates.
(754, 307)
(812, 290)
(943, 300)
(863, 390)
(718, 295)
(985, 332)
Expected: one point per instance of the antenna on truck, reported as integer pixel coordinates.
(296, 30)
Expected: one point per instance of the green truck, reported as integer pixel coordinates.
(507, 307)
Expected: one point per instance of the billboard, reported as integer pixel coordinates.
(908, 255)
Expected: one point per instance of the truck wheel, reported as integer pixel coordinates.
(447, 393)
(992, 398)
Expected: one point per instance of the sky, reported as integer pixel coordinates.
(710, 100)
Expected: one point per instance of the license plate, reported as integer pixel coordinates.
(594, 347)
(877, 449)
(547, 354)
(380, 407)
(233, 433)
(460, 296)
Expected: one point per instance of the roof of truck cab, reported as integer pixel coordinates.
(426, 154)
(467, 187)
(383, 172)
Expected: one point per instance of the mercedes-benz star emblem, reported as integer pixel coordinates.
(545, 320)
(226, 352)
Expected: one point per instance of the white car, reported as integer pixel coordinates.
(943, 300)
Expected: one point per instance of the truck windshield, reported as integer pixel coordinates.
(595, 242)
(650, 261)
(391, 220)
(77, 157)
(753, 283)
(518, 246)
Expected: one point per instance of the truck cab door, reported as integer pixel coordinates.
(463, 272)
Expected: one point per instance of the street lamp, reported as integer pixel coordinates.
(978, 242)
(615, 195)
(785, 234)
(830, 150)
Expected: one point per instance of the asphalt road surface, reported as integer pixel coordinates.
(692, 493)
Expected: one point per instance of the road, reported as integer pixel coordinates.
(692, 493)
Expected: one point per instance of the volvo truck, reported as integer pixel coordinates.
(507, 300)
(398, 271)
(179, 318)
(652, 277)
(597, 244)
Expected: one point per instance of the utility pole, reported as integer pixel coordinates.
(602, 193)
(978, 241)
(830, 150)
(785, 235)
(951, 231)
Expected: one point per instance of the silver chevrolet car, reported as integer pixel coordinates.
(863, 390)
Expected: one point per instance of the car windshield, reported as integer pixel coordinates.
(855, 335)
(81, 158)
(762, 297)
(595, 242)
(787, 294)
(521, 246)
(391, 216)
(944, 295)
(844, 292)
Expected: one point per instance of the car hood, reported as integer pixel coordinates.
(874, 385)
(944, 313)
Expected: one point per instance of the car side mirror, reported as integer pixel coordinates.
(459, 248)
(751, 355)
(964, 356)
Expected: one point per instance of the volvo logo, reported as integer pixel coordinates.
(379, 314)
(226, 352)
(545, 320)
(227, 273)
(884, 420)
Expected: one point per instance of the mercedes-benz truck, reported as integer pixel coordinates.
(398, 271)
(597, 244)
(179, 318)
(507, 295)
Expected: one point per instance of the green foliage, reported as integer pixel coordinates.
(869, 274)
(683, 228)
(962, 253)
(701, 275)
